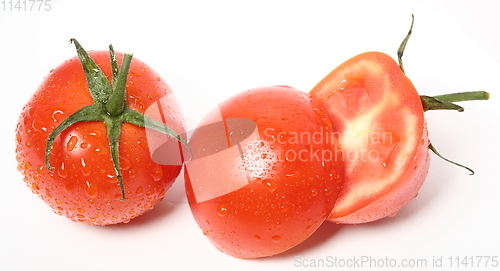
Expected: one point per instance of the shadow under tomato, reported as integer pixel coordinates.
(325, 232)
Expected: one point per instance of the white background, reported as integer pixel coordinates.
(208, 50)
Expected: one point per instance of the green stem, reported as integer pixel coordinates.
(441, 102)
(113, 126)
(114, 64)
(446, 101)
(98, 83)
(116, 103)
(402, 47)
(431, 103)
(433, 149)
(464, 96)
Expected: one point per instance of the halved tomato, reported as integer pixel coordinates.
(265, 174)
(382, 133)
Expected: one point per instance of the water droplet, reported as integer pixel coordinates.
(139, 190)
(62, 171)
(38, 125)
(270, 185)
(27, 166)
(40, 168)
(257, 238)
(91, 189)
(18, 137)
(58, 202)
(276, 238)
(143, 143)
(57, 116)
(257, 179)
(222, 210)
(35, 187)
(69, 186)
(84, 145)
(101, 150)
(314, 192)
(328, 191)
(80, 210)
(71, 143)
(156, 173)
(96, 133)
(205, 232)
(86, 169)
(125, 163)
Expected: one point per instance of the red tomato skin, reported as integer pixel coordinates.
(370, 94)
(285, 201)
(83, 185)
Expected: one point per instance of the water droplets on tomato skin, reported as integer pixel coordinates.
(270, 185)
(85, 168)
(91, 189)
(57, 116)
(125, 163)
(156, 173)
(139, 190)
(222, 210)
(71, 143)
(276, 238)
(62, 171)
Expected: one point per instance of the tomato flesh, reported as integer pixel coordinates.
(380, 119)
(275, 191)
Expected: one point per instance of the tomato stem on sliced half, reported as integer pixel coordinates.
(109, 107)
(402, 47)
(441, 102)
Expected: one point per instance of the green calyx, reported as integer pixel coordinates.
(442, 102)
(109, 107)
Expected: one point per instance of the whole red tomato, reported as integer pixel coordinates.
(81, 142)
(264, 174)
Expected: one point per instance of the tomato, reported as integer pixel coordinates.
(382, 133)
(92, 179)
(263, 176)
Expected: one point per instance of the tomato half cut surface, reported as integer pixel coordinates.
(380, 119)
(258, 183)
